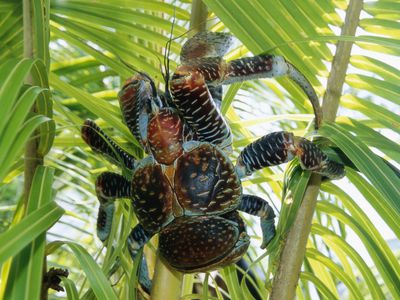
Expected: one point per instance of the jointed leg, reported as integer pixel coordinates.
(101, 143)
(216, 94)
(257, 206)
(280, 147)
(136, 240)
(266, 66)
(205, 74)
(109, 186)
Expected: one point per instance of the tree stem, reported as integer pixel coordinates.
(340, 62)
(167, 283)
(32, 159)
(291, 260)
(198, 17)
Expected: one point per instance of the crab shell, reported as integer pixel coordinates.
(190, 202)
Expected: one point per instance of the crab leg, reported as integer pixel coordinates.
(257, 206)
(266, 66)
(101, 143)
(280, 147)
(206, 45)
(136, 240)
(109, 186)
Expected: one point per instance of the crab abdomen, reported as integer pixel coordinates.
(202, 243)
(205, 181)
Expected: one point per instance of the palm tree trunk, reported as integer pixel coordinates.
(287, 275)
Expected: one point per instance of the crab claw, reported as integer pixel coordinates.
(268, 231)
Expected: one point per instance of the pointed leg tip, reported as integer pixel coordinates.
(266, 241)
(144, 278)
(268, 230)
(102, 235)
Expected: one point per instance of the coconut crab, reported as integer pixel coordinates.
(187, 189)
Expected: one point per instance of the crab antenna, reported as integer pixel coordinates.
(128, 65)
(192, 29)
(166, 56)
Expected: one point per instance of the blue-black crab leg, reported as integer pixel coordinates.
(136, 240)
(216, 94)
(267, 66)
(109, 187)
(203, 53)
(257, 206)
(191, 83)
(215, 72)
(198, 101)
(207, 44)
(280, 147)
(101, 143)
